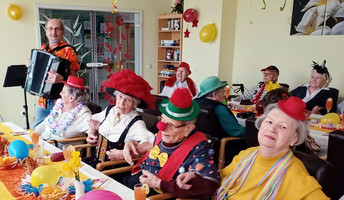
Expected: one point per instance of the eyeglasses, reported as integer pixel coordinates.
(56, 29)
(267, 73)
(170, 124)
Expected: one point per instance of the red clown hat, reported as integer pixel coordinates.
(127, 82)
(294, 107)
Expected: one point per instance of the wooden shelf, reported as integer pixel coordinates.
(164, 21)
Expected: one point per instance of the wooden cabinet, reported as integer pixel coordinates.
(170, 40)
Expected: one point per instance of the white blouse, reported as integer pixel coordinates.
(111, 129)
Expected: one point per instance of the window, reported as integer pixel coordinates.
(98, 37)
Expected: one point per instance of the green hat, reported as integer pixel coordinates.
(211, 84)
(180, 106)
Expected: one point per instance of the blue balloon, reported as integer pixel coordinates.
(19, 149)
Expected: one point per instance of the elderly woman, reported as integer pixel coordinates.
(270, 77)
(316, 92)
(270, 171)
(121, 123)
(68, 117)
(181, 79)
(180, 153)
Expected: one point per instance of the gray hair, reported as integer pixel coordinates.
(301, 128)
(81, 96)
(61, 24)
(136, 100)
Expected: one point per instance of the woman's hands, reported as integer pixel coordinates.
(149, 178)
(128, 150)
(115, 154)
(92, 135)
(316, 109)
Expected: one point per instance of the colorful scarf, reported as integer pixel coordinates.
(274, 177)
(59, 126)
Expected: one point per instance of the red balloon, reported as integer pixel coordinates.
(190, 15)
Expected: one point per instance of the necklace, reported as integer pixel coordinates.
(59, 126)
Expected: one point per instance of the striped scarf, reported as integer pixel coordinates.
(274, 177)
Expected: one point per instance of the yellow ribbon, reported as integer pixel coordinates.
(271, 86)
(155, 154)
(115, 7)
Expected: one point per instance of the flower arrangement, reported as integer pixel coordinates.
(178, 6)
(73, 165)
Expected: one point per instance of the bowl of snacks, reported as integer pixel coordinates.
(53, 193)
(8, 162)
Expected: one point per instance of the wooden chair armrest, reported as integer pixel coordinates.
(101, 165)
(73, 139)
(87, 147)
(221, 161)
(117, 170)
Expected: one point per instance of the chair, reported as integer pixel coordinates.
(284, 85)
(251, 132)
(320, 169)
(162, 85)
(334, 95)
(335, 156)
(94, 108)
(156, 111)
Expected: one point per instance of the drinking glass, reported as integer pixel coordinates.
(329, 104)
(67, 152)
(227, 91)
(139, 192)
(34, 137)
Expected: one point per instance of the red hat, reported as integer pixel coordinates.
(294, 107)
(127, 82)
(271, 68)
(184, 65)
(75, 82)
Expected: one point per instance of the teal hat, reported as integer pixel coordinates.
(180, 106)
(211, 84)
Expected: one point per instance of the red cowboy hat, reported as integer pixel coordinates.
(127, 82)
(75, 82)
(294, 107)
(184, 65)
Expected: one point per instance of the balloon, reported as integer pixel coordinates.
(100, 194)
(14, 12)
(190, 15)
(208, 33)
(19, 149)
(330, 118)
(45, 174)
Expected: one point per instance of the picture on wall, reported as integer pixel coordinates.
(317, 17)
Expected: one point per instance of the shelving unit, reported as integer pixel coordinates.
(170, 28)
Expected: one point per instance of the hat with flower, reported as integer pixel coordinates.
(180, 106)
(127, 82)
(294, 107)
(184, 65)
(75, 82)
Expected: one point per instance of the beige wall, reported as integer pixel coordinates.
(19, 37)
(267, 41)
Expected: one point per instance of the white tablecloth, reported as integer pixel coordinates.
(111, 185)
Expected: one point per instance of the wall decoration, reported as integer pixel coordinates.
(186, 33)
(317, 17)
(14, 12)
(208, 33)
(114, 6)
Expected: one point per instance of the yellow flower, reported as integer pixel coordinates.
(66, 167)
(271, 86)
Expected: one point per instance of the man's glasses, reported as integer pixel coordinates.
(267, 73)
(170, 124)
(54, 29)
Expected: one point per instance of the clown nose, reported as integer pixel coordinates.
(161, 126)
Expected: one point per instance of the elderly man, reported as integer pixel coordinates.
(211, 96)
(54, 32)
(181, 79)
(180, 162)
(270, 77)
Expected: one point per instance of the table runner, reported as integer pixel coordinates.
(10, 179)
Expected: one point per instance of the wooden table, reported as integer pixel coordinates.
(110, 184)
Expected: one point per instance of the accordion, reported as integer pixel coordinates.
(40, 63)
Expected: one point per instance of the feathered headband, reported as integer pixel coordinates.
(322, 69)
